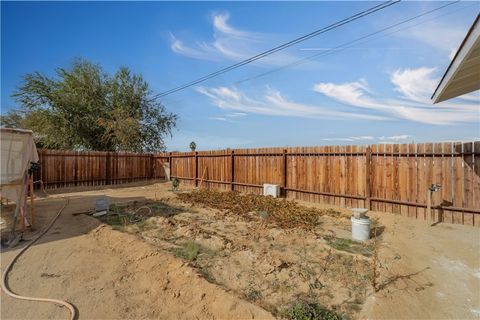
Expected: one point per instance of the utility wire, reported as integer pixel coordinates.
(348, 44)
(281, 47)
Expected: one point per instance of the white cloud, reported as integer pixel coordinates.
(220, 23)
(415, 87)
(336, 139)
(350, 92)
(396, 138)
(236, 115)
(229, 43)
(177, 46)
(474, 96)
(382, 139)
(218, 118)
(275, 104)
(441, 35)
(415, 84)
(229, 117)
(362, 138)
(351, 139)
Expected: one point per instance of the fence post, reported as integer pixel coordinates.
(196, 168)
(152, 166)
(170, 163)
(368, 177)
(232, 170)
(284, 173)
(108, 169)
(41, 171)
(75, 168)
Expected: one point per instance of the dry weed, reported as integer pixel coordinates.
(284, 213)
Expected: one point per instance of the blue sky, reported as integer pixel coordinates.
(375, 91)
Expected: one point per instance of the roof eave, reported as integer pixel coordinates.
(471, 39)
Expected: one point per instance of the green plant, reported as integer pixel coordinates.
(175, 184)
(85, 108)
(114, 208)
(351, 246)
(310, 311)
(189, 250)
(253, 294)
(145, 224)
(115, 219)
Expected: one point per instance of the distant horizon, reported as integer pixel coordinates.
(377, 91)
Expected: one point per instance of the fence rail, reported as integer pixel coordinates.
(386, 177)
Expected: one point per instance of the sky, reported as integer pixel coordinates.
(375, 90)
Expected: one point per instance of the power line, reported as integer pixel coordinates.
(281, 47)
(347, 44)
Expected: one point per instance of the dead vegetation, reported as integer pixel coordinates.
(282, 212)
(278, 254)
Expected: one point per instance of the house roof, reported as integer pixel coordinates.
(463, 73)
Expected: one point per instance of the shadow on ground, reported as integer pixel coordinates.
(76, 218)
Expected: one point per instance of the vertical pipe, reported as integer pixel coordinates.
(429, 206)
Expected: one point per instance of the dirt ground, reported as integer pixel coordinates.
(194, 262)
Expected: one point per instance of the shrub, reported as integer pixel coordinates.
(310, 311)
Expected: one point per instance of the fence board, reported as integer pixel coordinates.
(459, 183)
(421, 178)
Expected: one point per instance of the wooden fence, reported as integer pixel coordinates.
(388, 177)
(64, 169)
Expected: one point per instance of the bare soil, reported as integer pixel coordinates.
(177, 260)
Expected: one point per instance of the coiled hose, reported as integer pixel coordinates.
(5, 288)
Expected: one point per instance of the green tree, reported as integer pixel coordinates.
(193, 146)
(13, 119)
(85, 108)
